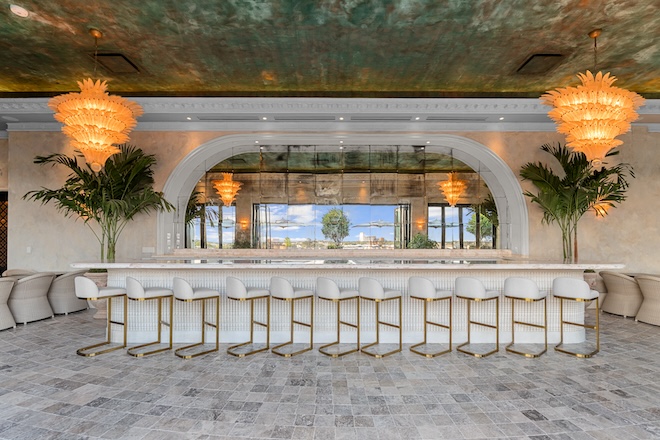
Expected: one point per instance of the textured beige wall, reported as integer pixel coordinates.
(628, 235)
(4, 164)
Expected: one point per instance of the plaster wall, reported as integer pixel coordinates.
(629, 234)
(4, 164)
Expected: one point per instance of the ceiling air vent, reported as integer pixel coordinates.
(117, 63)
(442, 118)
(310, 117)
(376, 118)
(540, 63)
(232, 118)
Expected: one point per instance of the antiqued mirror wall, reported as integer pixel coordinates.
(351, 197)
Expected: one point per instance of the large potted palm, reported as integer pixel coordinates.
(107, 200)
(565, 198)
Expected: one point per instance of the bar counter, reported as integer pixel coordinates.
(210, 271)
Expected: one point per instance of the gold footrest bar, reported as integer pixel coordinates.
(216, 325)
(436, 324)
(470, 323)
(324, 348)
(510, 348)
(364, 348)
(560, 347)
(233, 350)
(277, 349)
(133, 350)
(109, 323)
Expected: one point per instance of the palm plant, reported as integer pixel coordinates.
(106, 200)
(565, 199)
(199, 208)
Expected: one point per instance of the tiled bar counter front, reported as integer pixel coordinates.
(393, 274)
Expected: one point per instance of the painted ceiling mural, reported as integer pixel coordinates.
(388, 48)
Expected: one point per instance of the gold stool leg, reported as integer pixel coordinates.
(293, 322)
(427, 323)
(596, 327)
(133, 351)
(323, 348)
(470, 322)
(365, 348)
(510, 348)
(233, 350)
(180, 352)
(108, 341)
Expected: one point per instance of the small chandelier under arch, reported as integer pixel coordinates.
(453, 188)
(227, 188)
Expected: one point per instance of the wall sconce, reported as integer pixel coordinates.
(244, 224)
(420, 224)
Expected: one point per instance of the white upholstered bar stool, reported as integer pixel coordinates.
(371, 290)
(136, 292)
(524, 289)
(88, 290)
(184, 292)
(328, 290)
(237, 291)
(282, 290)
(573, 289)
(472, 290)
(423, 289)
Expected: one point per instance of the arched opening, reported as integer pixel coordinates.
(500, 180)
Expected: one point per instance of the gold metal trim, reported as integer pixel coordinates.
(528, 324)
(204, 323)
(338, 301)
(559, 347)
(427, 323)
(293, 323)
(109, 323)
(364, 348)
(232, 349)
(470, 322)
(161, 323)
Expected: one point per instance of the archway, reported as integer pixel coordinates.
(500, 179)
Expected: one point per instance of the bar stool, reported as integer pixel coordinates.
(328, 290)
(473, 290)
(136, 292)
(236, 291)
(574, 289)
(282, 290)
(88, 290)
(423, 289)
(371, 290)
(184, 292)
(524, 289)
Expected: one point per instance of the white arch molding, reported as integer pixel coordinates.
(501, 181)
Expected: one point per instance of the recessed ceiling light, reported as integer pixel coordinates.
(428, 142)
(341, 118)
(19, 11)
(341, 148)
(341, 142)
(502, 118)
(189, 118)
(264, 118)
(416, 118)
(256, 142)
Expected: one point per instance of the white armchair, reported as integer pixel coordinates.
(62, 294)
(6, 318)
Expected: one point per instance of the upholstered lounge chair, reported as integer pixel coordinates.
(62, 294)
(6, 318)
(623, 294)
(649, 311)
(28, 300)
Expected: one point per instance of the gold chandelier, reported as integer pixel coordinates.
(227, 188)
(453, 188)
(594, 114)
(93, 120)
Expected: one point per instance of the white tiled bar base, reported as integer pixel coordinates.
(234, 315)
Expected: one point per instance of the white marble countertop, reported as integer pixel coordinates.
(372, 263)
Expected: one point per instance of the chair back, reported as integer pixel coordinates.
(281, 288)
(134, 288)
(182, 289)
(85, 288)
(621, 284)
(6, 285)
(421, 287)
(571, 288)
(236, 288)
(469, 287)
(18, 272)
(520, 288)
(33, 286)
(327, 288)
(370, 288)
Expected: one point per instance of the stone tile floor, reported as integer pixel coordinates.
(48, 392)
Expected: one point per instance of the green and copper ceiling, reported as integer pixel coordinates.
(395, 48)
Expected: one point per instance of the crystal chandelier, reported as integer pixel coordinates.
(452, 188)
(594, 114)
(227, 188)
(93, 120)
